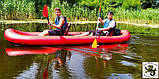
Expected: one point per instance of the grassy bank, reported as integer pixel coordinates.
(139, 30)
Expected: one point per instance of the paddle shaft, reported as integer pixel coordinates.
(97, 28)
(48, 19)
(98, 21)
(94, 44)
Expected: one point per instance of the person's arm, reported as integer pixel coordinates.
(101, 21)
(61, 22)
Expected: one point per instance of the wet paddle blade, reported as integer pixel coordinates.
(45, 11)
(94, 44)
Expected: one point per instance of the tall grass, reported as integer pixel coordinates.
(23, 9)
(76, 12)
(17, 9)
(140, 16)
(72, 12)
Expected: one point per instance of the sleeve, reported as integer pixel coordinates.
(112, 24)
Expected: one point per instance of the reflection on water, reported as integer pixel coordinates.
(110, 61)
(67, 61)
(30, 73)
(30, 50)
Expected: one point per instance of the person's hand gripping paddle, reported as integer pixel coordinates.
(95, 44)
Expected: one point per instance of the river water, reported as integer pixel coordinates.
(108, 61)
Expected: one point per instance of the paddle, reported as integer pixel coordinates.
(94, 44)
(45, 12)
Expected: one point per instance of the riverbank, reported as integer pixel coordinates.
(76, 22)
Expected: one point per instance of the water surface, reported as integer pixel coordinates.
(108, 61)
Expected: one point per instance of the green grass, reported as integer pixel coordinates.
(148, 16)
(23, 9)
(17, 9)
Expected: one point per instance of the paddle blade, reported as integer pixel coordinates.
(45, 11)
(94, 44)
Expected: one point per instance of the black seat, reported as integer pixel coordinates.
(67, 29)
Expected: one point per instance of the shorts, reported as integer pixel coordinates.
(55, 32)
(99, 33)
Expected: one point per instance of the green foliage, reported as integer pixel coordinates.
(126, 4)
(150, 4)
(80, 9)
(131, 4)
(16, 9)
(71, 2)
(141, 16)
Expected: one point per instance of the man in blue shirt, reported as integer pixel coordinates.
(108, 28)
(60, 25)
(109, 24)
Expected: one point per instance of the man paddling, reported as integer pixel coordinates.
(109, 24)
(60, 25)
(108, 28)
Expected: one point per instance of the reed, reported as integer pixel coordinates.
(139, 16)
(74, 13)
(17, 9)
(23, 9)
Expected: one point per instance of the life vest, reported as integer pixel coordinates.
(64, 26)
(106, 24)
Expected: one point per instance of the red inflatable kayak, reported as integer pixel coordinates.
(31, 38)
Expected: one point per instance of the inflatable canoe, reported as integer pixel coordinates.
(31, 38)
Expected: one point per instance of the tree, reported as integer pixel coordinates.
(39, 4)
(150, 4)
(71, 2)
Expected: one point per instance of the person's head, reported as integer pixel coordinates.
(57, 11)
(110, 14)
